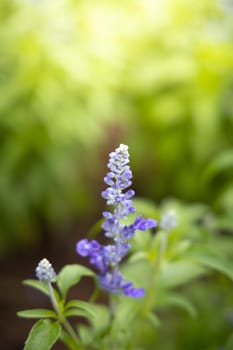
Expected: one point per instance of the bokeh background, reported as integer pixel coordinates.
(76, 79)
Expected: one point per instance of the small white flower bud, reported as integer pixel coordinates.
(45, 271)
(169, 220)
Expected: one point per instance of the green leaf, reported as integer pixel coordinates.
(82, 305)
(71, 275)
(153, 319)
(37, 313)
(138, 256)
(173, 299)
(43, 335)
(221, 163)
(212, 261)
(77, 312)
(95, 229)
(41, 286)
(180, 272)
(68, 341)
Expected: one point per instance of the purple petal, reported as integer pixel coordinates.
(142, 225)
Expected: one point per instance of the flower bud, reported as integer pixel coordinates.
(45, 271)
(168, 221)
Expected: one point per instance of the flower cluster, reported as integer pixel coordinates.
(106, 258)
(45, 271)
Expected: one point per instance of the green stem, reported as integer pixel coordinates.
(156, 265)
(162, 248)
(62, 319)
(112, 306)
(71, 331)
(94, 295)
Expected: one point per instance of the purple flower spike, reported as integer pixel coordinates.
(107, 258)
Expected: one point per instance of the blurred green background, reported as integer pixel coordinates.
(79, 77)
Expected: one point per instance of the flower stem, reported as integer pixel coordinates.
(161, 251)
(67, 326)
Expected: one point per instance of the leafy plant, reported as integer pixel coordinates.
(184, 249)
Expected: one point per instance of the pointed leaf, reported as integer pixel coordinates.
(43, 335)
(82, 305)
(221, 163)
(71, 275)
(77, 312)
(154, 319)
(41, 286)
(179, 272)
(138, 256)
(212, 261)
(173, 299)
(37, 313)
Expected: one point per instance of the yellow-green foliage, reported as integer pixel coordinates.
(162, 70)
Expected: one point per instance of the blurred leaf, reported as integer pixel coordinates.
(41, 286)
(154, 319)
(71, 275)
(138, 256)
(223, 162)
(83, 306)
(174, 299)
(77, 312)
(215, 262)
(180, 272)
(95, 229)
(68, 341)
(99, 326)
(43, 335)
(37, 313)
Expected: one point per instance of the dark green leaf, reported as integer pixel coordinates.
(173, 299)
(221, 163)
(215, 262)
(153, 319)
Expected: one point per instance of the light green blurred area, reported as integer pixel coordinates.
(79, 77)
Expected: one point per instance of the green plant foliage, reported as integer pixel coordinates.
(43, 335)
(71, 275)
(42, 287)
(78, 304)
(187, 274)
(37, 313)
